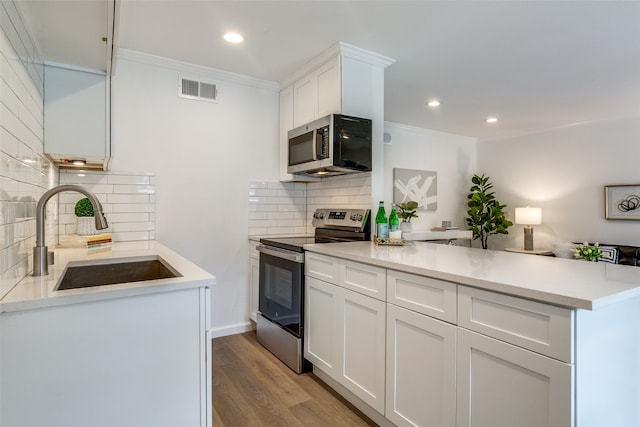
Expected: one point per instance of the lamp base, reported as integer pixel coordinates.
(528, 238)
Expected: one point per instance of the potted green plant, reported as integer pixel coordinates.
(85, 221)
(406, 211)
(486, 214)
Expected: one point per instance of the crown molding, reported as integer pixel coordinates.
(188, 68)
(345, 50)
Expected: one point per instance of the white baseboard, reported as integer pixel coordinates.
(238, 328)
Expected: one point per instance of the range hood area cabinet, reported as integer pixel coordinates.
(77, 117)
(318, 94)
(339, 81)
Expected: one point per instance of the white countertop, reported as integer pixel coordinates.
(35, 292)
(563, 282)
(438, 235)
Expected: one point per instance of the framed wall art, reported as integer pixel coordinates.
(417, 185)
(622, 202)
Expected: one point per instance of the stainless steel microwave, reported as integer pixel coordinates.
(332, 145)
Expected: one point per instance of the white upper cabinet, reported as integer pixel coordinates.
(77, 79)
(317, 94)
(343, 79)
(76, 119)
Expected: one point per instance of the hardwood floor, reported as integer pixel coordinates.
(251, 387)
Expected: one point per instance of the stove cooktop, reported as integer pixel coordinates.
(331, 225)
(290, 243)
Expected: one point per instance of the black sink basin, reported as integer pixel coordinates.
(118, 271)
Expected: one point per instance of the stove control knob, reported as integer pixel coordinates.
(356, 217)
(318, 215)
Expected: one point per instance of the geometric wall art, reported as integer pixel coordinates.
(417, 185)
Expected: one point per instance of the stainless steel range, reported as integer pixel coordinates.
(280, 320)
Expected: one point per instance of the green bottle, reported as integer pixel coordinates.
(394, 223)
(382, 226)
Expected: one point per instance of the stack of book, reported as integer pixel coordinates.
(99, 241)
(92, 242)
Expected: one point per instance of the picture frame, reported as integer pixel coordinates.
(622, 202)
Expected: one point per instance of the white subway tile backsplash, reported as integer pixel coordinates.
(119, 227)
(129, 179)
(129, 208)
(130, 198)
(129, 217)
(128, 201)
(287, 208)
(276, 207)
(25, 173)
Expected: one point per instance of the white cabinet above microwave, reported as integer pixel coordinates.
(317, 94)
(76, 118)
(338, 81)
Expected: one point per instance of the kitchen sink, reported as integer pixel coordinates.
(114, 271)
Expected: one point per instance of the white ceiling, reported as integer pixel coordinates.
(535, 65)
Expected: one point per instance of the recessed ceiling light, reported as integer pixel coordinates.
(233, 37)
(433, 103)
(491, 119)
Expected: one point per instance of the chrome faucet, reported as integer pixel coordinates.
(40, 251)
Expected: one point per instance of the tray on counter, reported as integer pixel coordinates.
(389, 241)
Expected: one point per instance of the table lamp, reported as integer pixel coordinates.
(528, 216)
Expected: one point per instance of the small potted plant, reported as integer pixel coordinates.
(406, 211)
(85, 223)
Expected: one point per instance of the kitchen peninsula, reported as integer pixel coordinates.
(428, 334)
(126, 354)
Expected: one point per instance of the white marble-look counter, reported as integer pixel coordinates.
(437, 235)
(563, 282)
(35, 292)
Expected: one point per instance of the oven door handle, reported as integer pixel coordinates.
(288, 255)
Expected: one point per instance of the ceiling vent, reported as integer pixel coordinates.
(193, 89)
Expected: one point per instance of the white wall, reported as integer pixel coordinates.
(452, 156)
(202, 154)
(564, 172)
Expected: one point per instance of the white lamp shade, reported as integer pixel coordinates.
(528, 216)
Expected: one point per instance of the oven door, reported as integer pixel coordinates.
(281, 287)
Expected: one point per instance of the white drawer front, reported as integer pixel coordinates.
(322, 267)
(539, 327)
(365, 279)
(433, 297)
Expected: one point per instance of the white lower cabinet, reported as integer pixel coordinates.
(321, 325)
(363, 347)
(254, 265)
(254, 279)
(433, 353)
(142, 360)
(500, 384)
(345, 338)
(421, 369)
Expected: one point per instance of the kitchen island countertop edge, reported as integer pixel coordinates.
(563, 282)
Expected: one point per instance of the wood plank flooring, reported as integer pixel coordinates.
(251, 387)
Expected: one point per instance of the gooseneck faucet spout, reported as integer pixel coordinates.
(40, 251)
